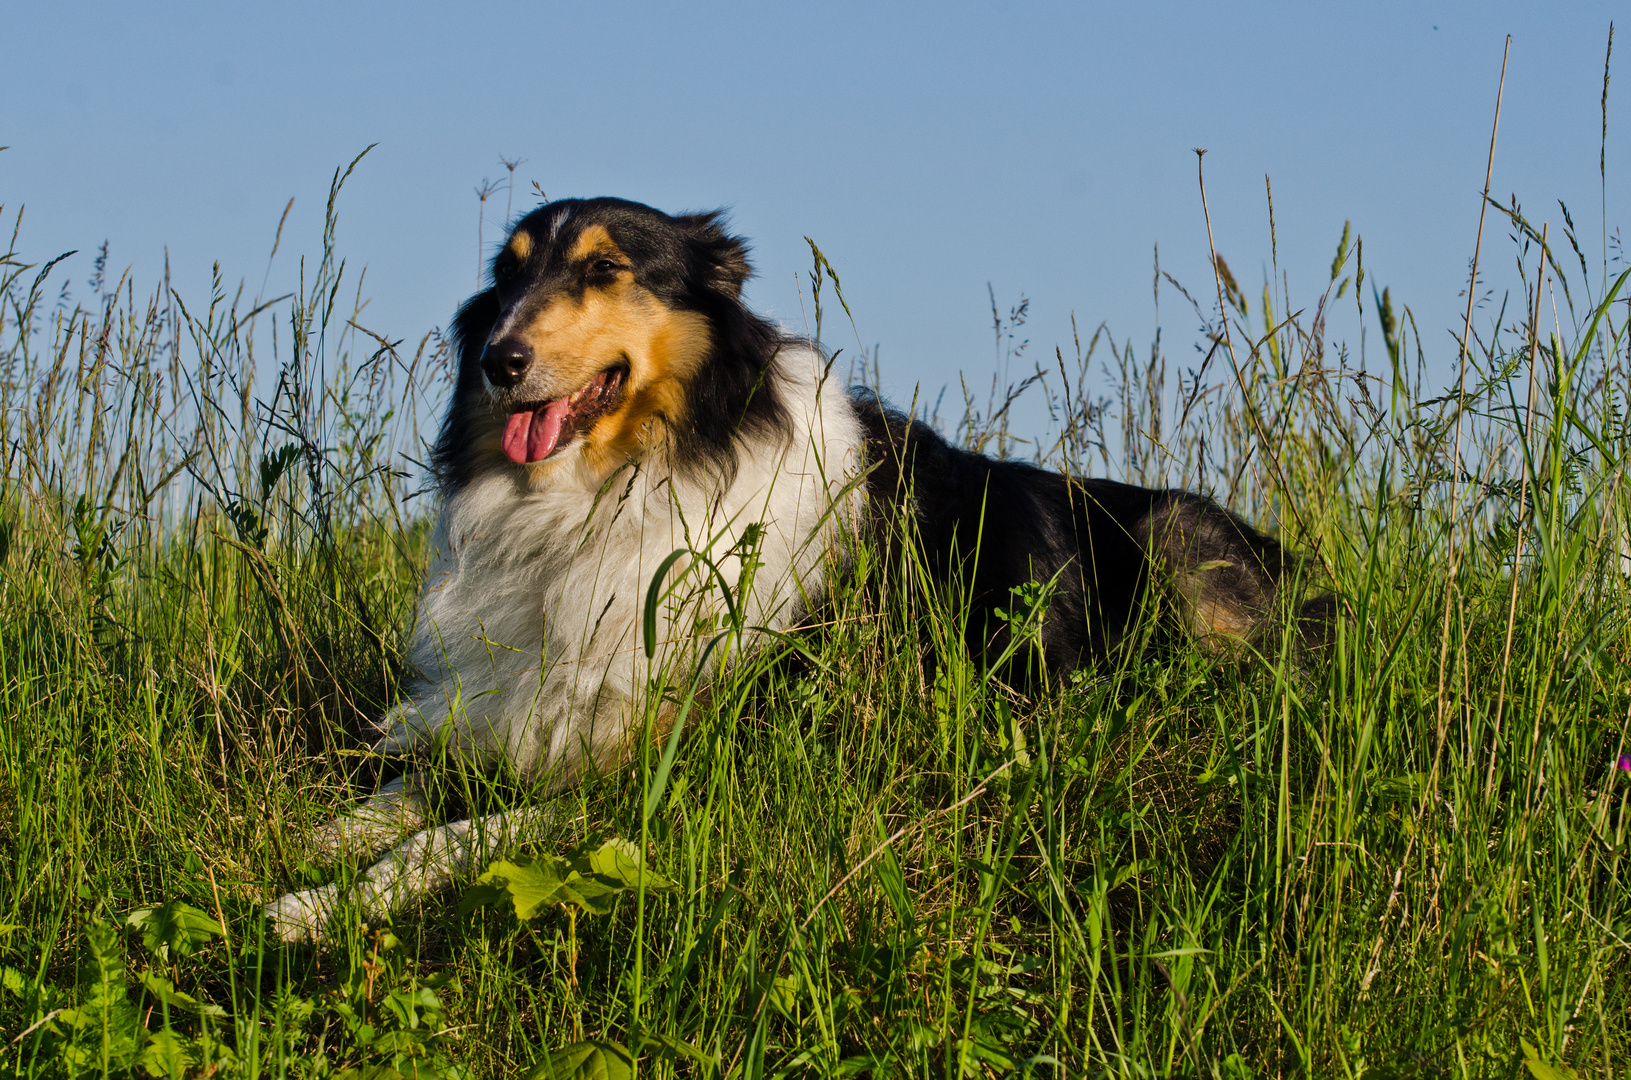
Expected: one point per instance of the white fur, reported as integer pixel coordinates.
(528, 637)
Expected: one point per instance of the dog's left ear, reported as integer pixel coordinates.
(724, 257)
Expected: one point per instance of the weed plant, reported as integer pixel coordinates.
(867, 855)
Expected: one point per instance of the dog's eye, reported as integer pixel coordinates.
(505, 269)
(603, 267)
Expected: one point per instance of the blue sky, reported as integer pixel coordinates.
(929, 149)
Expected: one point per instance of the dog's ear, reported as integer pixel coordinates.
(474, 324)
(724, 257)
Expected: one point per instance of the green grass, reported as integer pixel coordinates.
(1409, 860)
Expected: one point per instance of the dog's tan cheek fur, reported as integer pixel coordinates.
(566, 336)
(672, 346)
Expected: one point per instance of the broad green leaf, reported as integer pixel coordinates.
(484, 894)
(1539, 1069)
(987, 1049)
(174, 927)
(532, 883)
(1125, 874)
(1406, 786)
(166, 1054)
(673, 1047)
(411, 1007)
(593, 1060)
(166, 992)
(620, 860)
(106, 1022)
(369, 1072)
(591, 881)
(594, 895)
(433, 1067)
(783, 994)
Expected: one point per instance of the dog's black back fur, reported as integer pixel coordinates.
(989, 525)
(992, 526)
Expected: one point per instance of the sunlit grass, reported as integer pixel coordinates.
(1405, 859)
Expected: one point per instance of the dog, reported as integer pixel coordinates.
(632, 458)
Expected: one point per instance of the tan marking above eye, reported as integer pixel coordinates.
(520, 245)
(595, 243)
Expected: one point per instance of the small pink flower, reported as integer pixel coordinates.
(1624, 764)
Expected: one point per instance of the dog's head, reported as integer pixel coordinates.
(609, 330)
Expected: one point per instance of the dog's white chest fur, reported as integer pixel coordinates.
(528, 639)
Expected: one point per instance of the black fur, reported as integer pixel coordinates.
(991, 526)
(688, 262)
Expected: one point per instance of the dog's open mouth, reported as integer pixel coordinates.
(536, 429)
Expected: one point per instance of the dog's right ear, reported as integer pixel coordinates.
(473, 325)
(452, 458)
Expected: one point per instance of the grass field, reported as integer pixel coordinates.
(1409, 859)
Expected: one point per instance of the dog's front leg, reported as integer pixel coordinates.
(399, 807)
(379, 821)
(428, 860)
(432, 859)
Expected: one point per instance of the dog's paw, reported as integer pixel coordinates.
(360, 836)
(398, 809)
(327, 844)
(403, 730)
(302, 916)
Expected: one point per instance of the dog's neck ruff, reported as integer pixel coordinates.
(528, 638)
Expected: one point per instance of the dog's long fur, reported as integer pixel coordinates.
(616, 403)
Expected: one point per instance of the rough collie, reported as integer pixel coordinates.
(625, 433)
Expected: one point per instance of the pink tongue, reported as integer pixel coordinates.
(531, 436)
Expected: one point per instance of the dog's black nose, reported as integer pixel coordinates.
(506, 361)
